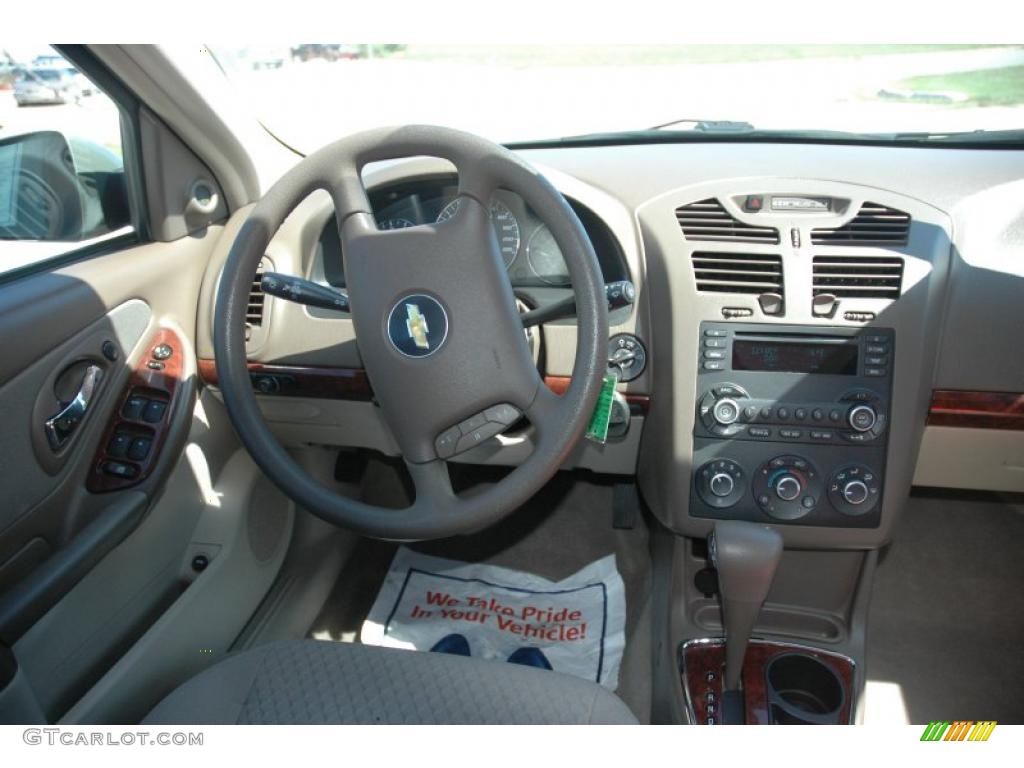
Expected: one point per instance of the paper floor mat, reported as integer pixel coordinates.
(577, 624)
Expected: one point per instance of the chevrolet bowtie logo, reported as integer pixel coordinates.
(417, 325)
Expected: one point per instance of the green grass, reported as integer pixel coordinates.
(983, 88)
(611, 55)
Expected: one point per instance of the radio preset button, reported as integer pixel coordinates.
(766, 412)
(715, 333)
(800, 413)
(783, 413)
(714, 343)
(817, 414)
(714, 354)
(750, 412)
(834, 415)
(713, 365)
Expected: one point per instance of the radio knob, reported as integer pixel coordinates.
(721, 485)
(862, 418)
(788, 487)
(726, 411)
(855, 492)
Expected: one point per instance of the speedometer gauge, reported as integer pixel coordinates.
(545, 258)
(506, 227)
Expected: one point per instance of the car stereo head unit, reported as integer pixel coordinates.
(791, 423)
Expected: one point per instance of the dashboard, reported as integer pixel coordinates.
(798, 306)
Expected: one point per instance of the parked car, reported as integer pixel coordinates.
(49, 85)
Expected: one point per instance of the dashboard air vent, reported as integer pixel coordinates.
(254, 311)
(737, 272)
(874, 224)
(863, 277)
(708, 220)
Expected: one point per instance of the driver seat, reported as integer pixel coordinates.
(302, 682)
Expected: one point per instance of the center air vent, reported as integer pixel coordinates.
(254, 311)
(861, 277)
(737, 272)
(874, 224)
(708, 220)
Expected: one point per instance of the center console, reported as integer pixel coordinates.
(791, 423)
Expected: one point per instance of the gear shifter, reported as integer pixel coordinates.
(746, 556)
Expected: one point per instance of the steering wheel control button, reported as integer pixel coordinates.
(721, 483)
(854, 490)
(417, 326)
(503, 414)
(162, 352)
(447, 442)
(787, 487)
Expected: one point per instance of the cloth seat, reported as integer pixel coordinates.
(308, 681)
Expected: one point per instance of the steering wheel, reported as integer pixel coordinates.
(437, 328)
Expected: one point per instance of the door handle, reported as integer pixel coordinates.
(61, 427)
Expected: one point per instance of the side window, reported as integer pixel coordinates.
(62, 170)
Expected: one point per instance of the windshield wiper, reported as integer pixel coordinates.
(966, 139)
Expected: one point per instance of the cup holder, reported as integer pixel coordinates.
(803, 691)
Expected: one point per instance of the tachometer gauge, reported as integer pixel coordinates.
(395, 224)
(545, 258)
(506, 227)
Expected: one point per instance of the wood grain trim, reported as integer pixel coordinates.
(559, 385)
(703, 671)
(350, 383)
(160, 385)
(978, 410)
(303, 381)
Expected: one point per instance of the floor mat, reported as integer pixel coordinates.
(575, 626)
(945, 623)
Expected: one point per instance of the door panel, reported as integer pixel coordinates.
(54, 530)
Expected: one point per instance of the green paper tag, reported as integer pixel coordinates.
(597, 430)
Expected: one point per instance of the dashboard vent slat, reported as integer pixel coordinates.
(708, 220)
(254, 309)
(737, 272)
(871, 277)
(874, 224)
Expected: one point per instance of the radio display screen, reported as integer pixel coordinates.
(794, 357)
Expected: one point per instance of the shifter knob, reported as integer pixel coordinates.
(746, 556)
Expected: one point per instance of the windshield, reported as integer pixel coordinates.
(310, 94)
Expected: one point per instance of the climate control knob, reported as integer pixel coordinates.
(855, 492)
(721, 484)
(726, 411)
(788, 487)
(862, 418)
